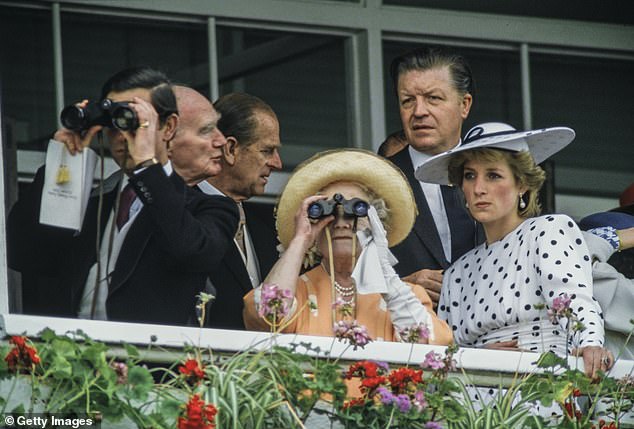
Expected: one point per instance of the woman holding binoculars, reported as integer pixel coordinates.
(338, 214)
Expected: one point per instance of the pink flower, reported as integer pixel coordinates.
(346, 309)
(561, 303)
(357, 335)
(274, 302)
(414, 334)
(121, 369)
(433, 361)
(560, 308)
(419, 401)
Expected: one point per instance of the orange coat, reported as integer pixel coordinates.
(316, 285)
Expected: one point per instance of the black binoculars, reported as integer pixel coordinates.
(354, 207)
(105, 112)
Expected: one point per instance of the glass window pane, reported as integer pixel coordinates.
(593, 96)
(497, 81)
(95, 47)
(26, 73)
(301, 76)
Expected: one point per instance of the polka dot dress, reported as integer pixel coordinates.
(489, 294)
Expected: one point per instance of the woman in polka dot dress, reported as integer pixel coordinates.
(492, 296)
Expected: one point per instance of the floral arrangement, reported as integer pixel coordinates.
(285, 387)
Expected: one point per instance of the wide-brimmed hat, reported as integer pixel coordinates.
(616, 220)
(541, 143)
(351, 165)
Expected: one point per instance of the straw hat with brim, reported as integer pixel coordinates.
(349, 165)
(541, 143)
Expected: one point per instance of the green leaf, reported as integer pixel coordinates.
(61, 368)
(551, 360)
(131, 350)
(140, 383)
(64, 347)
(171, 408)
(47, 335)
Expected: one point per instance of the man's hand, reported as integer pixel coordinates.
(431, 280)
(143, 141)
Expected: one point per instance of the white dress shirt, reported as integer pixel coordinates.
(435, 201)
(108, 257)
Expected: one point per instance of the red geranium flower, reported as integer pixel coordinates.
(21, 357)
(366, 369)
(192, 370)
(400, 378)
(198, 415)
(368, 384)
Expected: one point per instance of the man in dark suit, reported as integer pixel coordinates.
(434, 89)
(238, 169)
(250, 156)
(144, 248)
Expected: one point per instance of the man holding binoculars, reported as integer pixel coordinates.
(147, 240)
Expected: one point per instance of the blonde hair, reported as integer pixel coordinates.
(527, 174)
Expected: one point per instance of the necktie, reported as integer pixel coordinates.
(461, 226)
(125, 202)
(239, 237)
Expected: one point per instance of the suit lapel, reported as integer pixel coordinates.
(132, 248)
(424, 226)
(261, 225)
(233, 261)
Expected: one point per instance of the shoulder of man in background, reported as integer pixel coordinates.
(393, 144)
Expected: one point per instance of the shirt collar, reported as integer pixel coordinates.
(209, 189)
(419, 158)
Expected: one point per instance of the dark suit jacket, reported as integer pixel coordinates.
(422, 248)
(163, 261)
(231, 279)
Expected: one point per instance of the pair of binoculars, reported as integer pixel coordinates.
(106, 112)
(354, 207)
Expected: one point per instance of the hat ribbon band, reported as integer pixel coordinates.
(477, 134)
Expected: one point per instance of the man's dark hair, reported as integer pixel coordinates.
(237, 116)
(431, 57)
(161, 94)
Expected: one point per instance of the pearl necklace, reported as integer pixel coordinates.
(346, 293)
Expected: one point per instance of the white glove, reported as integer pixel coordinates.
(374, 273)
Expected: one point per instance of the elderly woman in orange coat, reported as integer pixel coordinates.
(337, 216)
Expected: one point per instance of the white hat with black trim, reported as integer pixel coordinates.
(541, 143)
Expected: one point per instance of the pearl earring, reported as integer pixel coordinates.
(522, 203)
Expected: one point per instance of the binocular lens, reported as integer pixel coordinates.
(315, 211)
(73, 118)
(360, 209)
(124, 118)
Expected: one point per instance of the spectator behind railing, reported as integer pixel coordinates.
(608, 233)
(493, 294)
(354, 196)
(147, 239)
